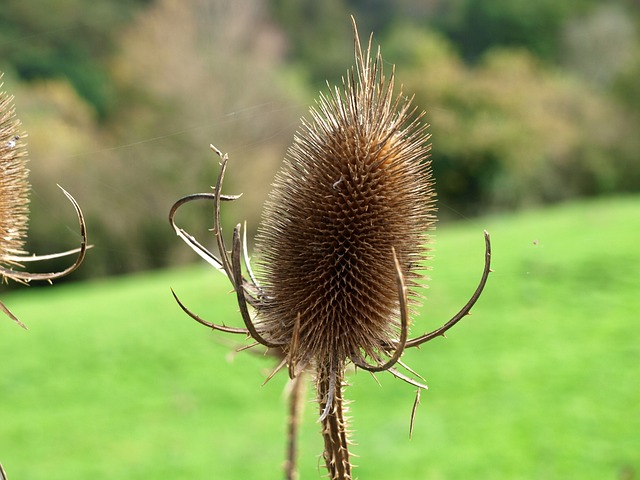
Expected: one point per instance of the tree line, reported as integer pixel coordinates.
(528, 102)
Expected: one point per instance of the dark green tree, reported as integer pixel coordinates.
(41, 39)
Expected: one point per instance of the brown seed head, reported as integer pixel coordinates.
(355, 185)
(14, 185)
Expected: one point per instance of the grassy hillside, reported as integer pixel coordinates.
(113, 381)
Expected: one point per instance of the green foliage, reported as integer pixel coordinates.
(71, 39)
(512, 132)
(627, 87)
(540, 382)
(317, 33)
(477, 25)
(600, 44)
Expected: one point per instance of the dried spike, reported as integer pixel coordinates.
(251, 288)
(202, 251)
(217, 225)
(27, 277)
(247, 260)
(11, 315)
(279, 367)
(236, 278)
(410, 370)
(293, 349)
(407, 379)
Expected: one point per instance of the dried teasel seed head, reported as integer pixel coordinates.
(14, 184)
(355, 186)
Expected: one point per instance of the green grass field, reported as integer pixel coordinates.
(112, 380)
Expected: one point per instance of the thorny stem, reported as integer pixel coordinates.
(296, 402)
(334, 429)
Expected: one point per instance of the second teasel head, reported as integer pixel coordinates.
(14, 206)
(14, 184)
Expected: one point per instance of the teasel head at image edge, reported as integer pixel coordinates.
(14, 183)
(14, 206)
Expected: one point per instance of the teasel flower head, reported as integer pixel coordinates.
(14, 206)
(356, 186)
(343, 236)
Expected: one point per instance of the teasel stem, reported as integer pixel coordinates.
(296, 402)
(329, 385)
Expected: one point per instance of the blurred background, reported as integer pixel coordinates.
(530, 102)
(534, 108)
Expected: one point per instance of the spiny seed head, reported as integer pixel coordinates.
(356, 184)
(14, 185)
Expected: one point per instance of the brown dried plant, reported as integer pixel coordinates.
(343, 236)
(14, 207)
